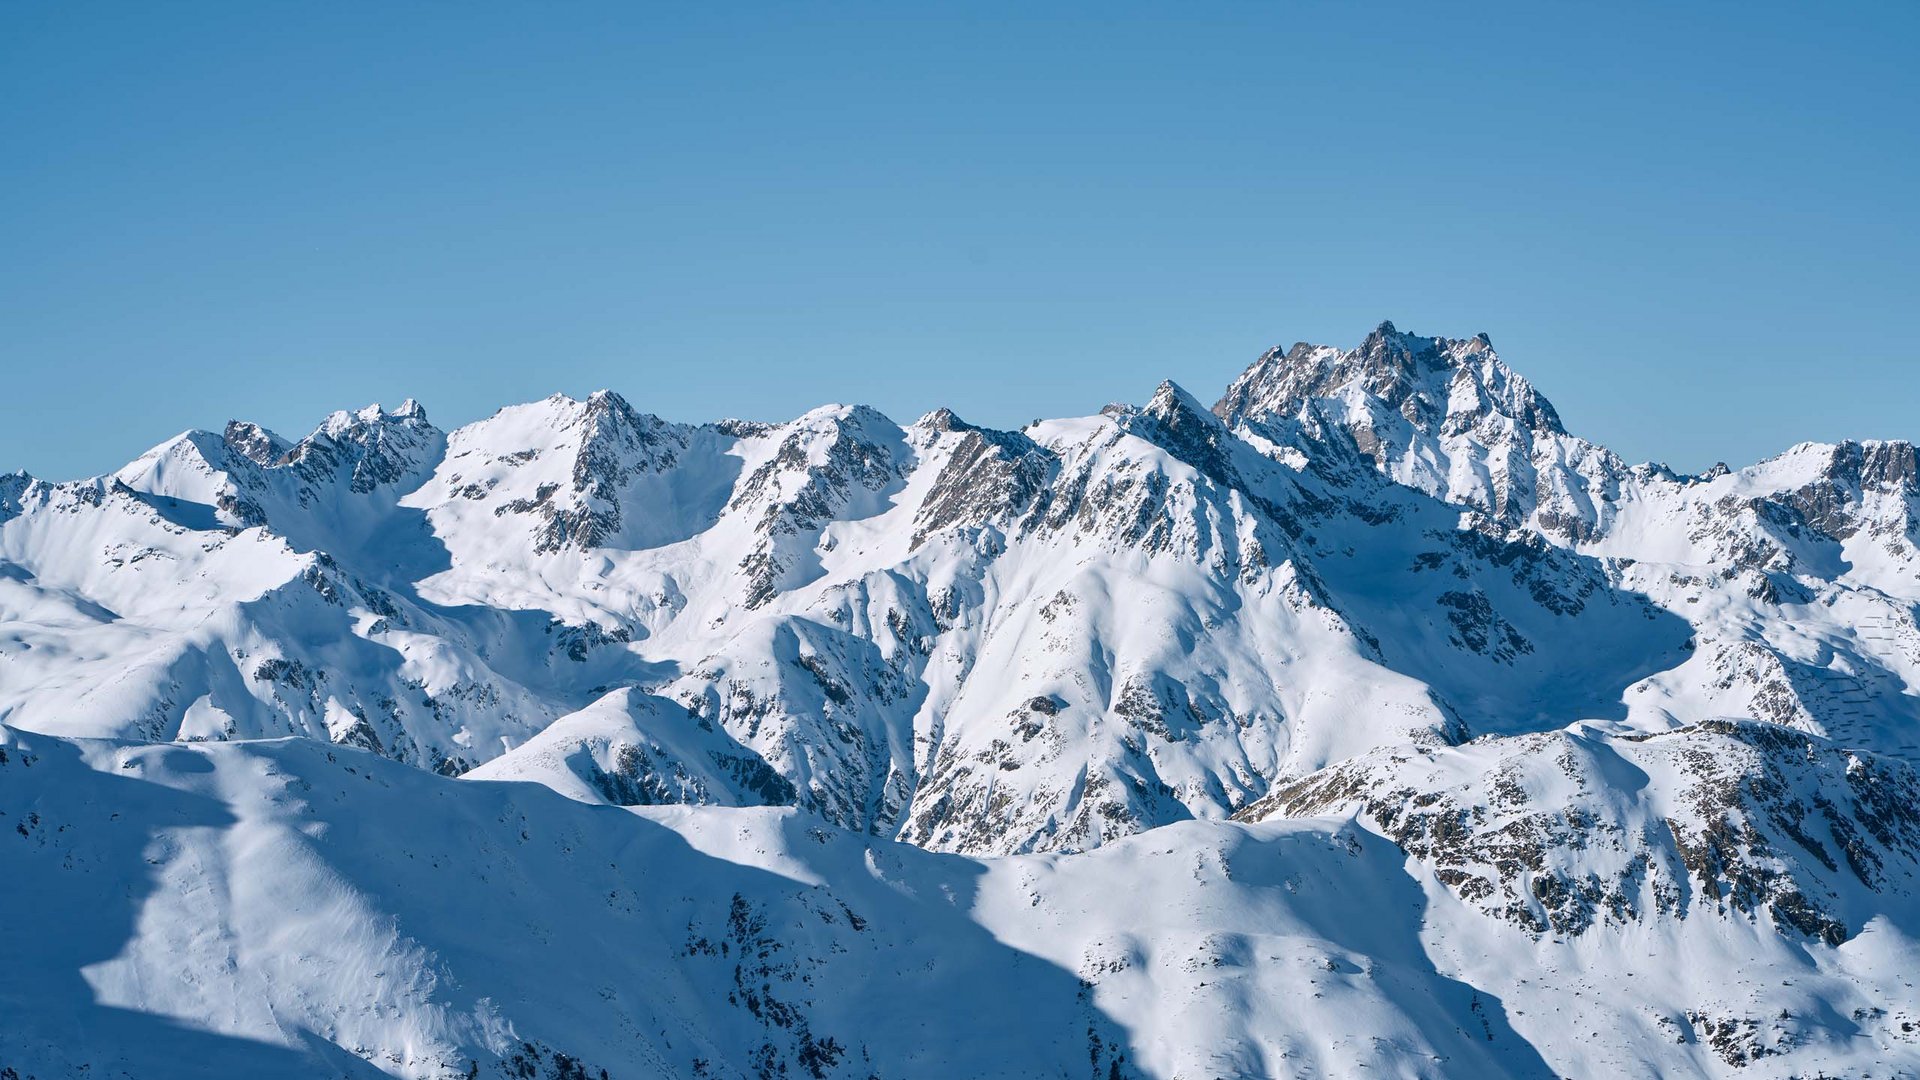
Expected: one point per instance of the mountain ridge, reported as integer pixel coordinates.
(1377, 602)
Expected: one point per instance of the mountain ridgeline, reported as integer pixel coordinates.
(1423, 725)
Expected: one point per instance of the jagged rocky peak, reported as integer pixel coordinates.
(342, 424)
(832, 462)
(941, 421)
(1433, 382)
(988, 476)
(944, 421)
(255, 443)
(1836, 489)
(1848, 468)
(616, 444)
(573, 428)
(1874, 465)
(372, 447)
(572, 464)
(617, 439)
(1177, 422)
(13, 487)
(827, 448)
(1170, 402)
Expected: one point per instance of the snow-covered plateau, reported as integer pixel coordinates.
(1366, 724)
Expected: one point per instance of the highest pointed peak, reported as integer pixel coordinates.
(1390, 351)
(1426, 378)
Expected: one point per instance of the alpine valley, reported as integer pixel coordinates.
(1365, 724)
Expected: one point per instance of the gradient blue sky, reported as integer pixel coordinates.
(1693, 226)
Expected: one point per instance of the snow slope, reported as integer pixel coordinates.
(282, 908)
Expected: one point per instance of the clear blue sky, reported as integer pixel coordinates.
(1693, 226)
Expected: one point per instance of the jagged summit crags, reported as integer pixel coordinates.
(1446, 416)
(1430, 382)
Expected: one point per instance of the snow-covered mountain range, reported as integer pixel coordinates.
(1366, 723)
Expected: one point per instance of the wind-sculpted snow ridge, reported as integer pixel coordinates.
(1574, 714)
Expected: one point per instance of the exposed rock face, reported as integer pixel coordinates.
(616, 444)
(832, 462)
(1560, 833)
(989, 477)
(255, 443)
(369, 449)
